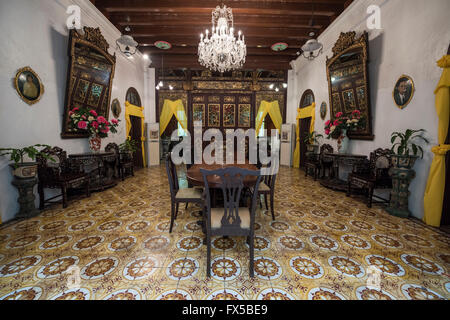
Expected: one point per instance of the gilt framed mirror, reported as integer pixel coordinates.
(348, 81)
(90, 75)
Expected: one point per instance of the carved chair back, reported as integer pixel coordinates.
(232, 186)
(171, 170)
(380, 163)
(49, 170)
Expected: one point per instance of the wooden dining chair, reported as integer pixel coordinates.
(267, 189)
(231, 220)
(177, 195)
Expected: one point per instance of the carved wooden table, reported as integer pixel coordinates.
(339, 159)
(101, 167)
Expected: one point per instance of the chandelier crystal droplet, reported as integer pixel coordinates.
(221, 51)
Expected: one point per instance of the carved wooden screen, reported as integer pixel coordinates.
(90, 76)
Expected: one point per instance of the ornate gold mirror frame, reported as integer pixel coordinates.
(90, 76)
(348, 81)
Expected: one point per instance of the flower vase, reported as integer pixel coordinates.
(343, 142)
(95, 143)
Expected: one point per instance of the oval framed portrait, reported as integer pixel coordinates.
(323, 110)
(28, 85)
(116, 109)
(403, 91)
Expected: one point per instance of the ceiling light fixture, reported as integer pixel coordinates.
(126, 44)
(312, 48)
(222, 51)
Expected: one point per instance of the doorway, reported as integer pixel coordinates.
(136, 135)
(305, 125)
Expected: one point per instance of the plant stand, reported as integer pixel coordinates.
(401, 179)
(26, 197)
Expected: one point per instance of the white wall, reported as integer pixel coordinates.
(415, 34)
(34, 34)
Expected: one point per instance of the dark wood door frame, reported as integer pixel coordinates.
(305, 125)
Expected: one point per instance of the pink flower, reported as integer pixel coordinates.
(93, 113)
(114, 122)
(106, 130)
(76, 109)
(95, 124)
(327, 123)
(327, 132)
(82, 125)
(335, 123)
(356, 112)
(70, 113)
(101, 120)
(339, 114)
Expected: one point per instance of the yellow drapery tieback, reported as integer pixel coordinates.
(170, 109)
(135, 111)
(434, 192)
(303, 113)
(271, 108)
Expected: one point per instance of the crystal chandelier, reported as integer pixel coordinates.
(222, 51)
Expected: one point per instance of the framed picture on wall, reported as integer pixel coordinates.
(116, 109)
(244, 120)
(198, 113)
(323, 110)
(403, 91)
(214, 115)
(28, 85)
(229, 115)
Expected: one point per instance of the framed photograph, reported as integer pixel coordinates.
(154, 134)
(285, 136)
(214, 115)
(403, 91)
(28, 85)
(323, 110)
(244, 115)
(229, 115)
(116, 109)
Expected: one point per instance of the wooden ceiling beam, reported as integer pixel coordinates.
(325, 8)
(278, 33)
(252, 42)
(194, 50)
(205, 21)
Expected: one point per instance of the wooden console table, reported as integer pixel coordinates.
(101, 167)
(339, 159)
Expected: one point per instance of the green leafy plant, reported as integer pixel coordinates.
(128, 146)
(312, 138)
(17, 155)
(405, 146)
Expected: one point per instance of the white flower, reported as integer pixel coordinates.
(355, 120)
(333, 128)
(349, 121)
(91, 118)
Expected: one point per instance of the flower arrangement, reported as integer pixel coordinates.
(82, 119)
(334, 129)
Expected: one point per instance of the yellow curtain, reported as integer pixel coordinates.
(271, 108)
(135, 111)
(434, 192)
(170, 109)
(308, 112)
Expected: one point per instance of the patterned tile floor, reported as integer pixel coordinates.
(116, 245)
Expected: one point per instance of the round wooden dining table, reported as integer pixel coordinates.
(195, 177)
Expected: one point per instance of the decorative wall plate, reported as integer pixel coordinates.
(163, 45)
(280, 46)
(28, 85)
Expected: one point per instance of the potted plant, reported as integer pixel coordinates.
(405, 154)
(312, 141)
(85, 120)
(341, 125)
(128, 148)
(21, 169)
(25, 176)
